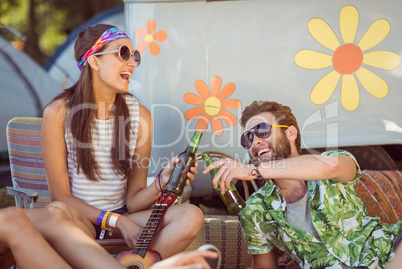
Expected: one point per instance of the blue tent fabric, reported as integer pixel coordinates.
(26, 88)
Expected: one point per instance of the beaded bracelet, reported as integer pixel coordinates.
(158, 179)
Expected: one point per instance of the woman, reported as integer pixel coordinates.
(50, 237)
(96, 144)
(39, 244)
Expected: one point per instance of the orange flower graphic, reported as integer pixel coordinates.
(149, 38)
(212, 105)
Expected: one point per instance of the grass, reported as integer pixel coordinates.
(6, 200)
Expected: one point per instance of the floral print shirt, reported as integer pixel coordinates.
(347, 234)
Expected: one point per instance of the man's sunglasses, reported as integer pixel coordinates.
(124, 54)
(261, 130)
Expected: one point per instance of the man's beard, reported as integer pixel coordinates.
(279, 151)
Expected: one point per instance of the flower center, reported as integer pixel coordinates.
(347, 59)
(212, 106)
(149, 38)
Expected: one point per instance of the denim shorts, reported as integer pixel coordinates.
(121, 210)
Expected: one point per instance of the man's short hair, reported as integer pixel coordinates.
(283, 115)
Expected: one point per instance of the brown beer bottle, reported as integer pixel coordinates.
(232, 199)
(178, 178)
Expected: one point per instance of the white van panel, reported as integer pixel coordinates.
(253, 44)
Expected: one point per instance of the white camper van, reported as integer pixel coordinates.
(335, 63)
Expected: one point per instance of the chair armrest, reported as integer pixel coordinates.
(29, 197)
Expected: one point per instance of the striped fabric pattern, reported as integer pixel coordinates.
(381, 191)
(27, 169)
(25, 155)
(109, 192)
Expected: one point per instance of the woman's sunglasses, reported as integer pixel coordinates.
(261, 130)
(124, 54)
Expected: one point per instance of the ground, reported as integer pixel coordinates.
(5, 180)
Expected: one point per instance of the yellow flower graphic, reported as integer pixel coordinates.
(212, 105)
(347, 59)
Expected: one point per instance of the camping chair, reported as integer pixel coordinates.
(26, 163)
(28, 173)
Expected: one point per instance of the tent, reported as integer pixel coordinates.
(26, 88)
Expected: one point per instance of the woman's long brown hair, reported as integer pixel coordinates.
(80, 99)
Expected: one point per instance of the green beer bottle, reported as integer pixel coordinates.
(178, 178)
(232, 199)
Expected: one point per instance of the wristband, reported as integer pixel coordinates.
(99, 219)
(104, 220)
(113, 220)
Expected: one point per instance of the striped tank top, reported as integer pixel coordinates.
(109, 192)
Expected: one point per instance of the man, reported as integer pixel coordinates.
(308, 207)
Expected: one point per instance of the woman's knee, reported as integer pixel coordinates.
(196, 214)
(63, 213)
(11, 213)
(56, 220)
(57, 213)
(14, 221)
(192, 217)
(68, 211)
(12, 217)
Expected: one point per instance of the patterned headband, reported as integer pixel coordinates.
(109, 35)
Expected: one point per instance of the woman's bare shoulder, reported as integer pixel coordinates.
(55, 111)
(144, 112)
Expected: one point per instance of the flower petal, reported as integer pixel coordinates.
(202, 124)
(228, 117)
(150, 26)
(324, 88)
(310, 59)
(193, 99)
(154, 48)
(139, 33)
(348, 22)
(194, 113)
(372, 83)
(216, 84)
(202, 89)
(226, 91)
(160, 36)
(375, 34)
(323, 34)
(231, 104)
(387, 60)
(142, 46)
(350, 96)
(217, 126)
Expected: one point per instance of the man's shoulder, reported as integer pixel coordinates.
(336, 152)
